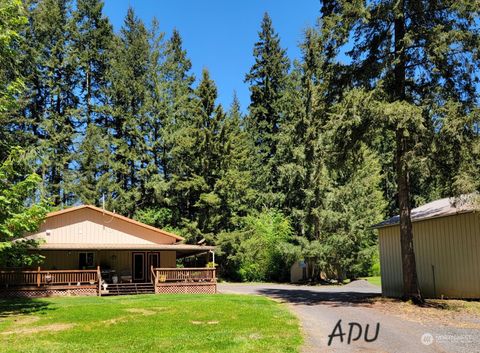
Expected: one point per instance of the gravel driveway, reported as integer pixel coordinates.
(320, 308)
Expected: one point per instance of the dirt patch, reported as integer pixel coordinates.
(26, 320)
(447, 313)
(141, 311)
(50, 328)
(117, 320)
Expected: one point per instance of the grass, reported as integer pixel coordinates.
(148, 323)
(376, 280)
(464, 306)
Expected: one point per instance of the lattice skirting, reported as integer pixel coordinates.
(38, 293)
(187, 288)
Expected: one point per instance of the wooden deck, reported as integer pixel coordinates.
(32, 283)
(184, 280)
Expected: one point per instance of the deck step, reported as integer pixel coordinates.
(129, 289)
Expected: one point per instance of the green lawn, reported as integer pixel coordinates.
(148, 323)
(377, 280)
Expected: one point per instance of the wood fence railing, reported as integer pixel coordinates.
(184, 275)
(49, 277)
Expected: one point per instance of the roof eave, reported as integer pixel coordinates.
(380, 225)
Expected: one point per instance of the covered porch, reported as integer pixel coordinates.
(114, 269)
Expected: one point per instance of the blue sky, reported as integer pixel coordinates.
(220, 34)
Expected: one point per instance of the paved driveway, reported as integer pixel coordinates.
(320, 309)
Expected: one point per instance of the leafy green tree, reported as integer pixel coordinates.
(12, 22)
(22, 209)
(256, 250)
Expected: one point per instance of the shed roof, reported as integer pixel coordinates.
(448, 206)
(115, 215)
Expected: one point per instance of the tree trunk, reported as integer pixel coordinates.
(409, 268)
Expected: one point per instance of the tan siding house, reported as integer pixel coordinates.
(90, 247)
(446, 239)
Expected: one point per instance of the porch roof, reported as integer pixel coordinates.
(184, 249)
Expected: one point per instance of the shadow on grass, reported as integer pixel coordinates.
(22, 306)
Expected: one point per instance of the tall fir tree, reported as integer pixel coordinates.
(126, 92)
(268, 81)
(412, 53)
(171, 107)
(92, 38)
(48, 107)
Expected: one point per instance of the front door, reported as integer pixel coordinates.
(153, 260)
(138, 266)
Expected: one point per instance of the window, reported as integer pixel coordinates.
(86, 260)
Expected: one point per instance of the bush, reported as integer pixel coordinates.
(375, 268)
(257, 251)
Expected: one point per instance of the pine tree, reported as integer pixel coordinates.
(196, 158)
(48, 107)
(171, 108)
(126, 92)
(353, 202)
(234, 185)
(268, 79)
(412, 52)
(91, 41)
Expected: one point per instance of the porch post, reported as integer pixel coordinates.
(38, 276)
(99, 275)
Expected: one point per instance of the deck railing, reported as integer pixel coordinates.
(41, 278)
(163, 275)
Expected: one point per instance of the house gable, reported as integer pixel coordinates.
(92, 225)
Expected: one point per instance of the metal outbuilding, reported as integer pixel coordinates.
(446, 237)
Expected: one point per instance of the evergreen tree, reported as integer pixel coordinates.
(171, 110)
(91, 41)
(303, 146)
(353, 202)
(48, 107)
(412, 52)
(268, 80)
(197, 159)
(126, 92)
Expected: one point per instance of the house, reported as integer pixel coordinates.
(91, 251)
(446, 238)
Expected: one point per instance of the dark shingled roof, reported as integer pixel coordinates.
(439, 208)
